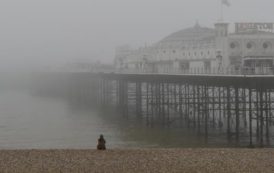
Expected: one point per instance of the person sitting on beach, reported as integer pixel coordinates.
(101, 143)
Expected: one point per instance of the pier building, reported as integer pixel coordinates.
(248, 49)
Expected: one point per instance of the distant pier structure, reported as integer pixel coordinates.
(240, 107)
(205, 79)
(237, 107)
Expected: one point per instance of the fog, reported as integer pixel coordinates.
(42, 32)
(46, 112)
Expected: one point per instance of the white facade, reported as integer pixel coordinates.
(200, 49)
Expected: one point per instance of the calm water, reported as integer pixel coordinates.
(29, 121)
(41, 122)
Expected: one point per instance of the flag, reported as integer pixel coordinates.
(226, 2)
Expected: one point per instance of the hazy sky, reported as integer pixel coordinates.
(50, 31)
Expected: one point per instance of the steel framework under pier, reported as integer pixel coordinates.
(241, 107)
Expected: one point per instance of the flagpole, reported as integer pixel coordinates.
(222, 11)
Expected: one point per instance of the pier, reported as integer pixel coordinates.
(240, 107)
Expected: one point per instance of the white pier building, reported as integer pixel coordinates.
(250, 49)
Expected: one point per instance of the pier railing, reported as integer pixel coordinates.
(212, 71)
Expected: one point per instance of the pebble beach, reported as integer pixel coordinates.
(138, 160)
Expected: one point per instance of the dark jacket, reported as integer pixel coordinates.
(101, 144)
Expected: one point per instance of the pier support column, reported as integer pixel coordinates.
(206, 111)
(237, 114)
(213, 107)
(181, 104)
(267, 100)
(228, 113)
(250, 116)
(261, 118)
(138, 99)
(147, 103)
(199, 109)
